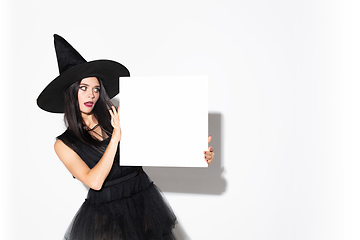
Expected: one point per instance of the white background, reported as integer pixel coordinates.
(283, 104)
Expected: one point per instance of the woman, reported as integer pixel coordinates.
(122, 202)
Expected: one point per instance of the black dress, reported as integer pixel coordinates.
(128, 206)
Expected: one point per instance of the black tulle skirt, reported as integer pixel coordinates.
(132, 209)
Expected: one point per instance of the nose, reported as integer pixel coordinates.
(91, 94)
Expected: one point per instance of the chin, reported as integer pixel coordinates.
(86, 112)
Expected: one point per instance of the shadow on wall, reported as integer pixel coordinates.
(195, 180)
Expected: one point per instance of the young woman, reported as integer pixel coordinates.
(122, 202)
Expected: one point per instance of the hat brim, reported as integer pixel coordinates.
(52, 98)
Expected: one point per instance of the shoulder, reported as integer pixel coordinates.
(59, 146)
(65, 135)
(68, 138)
(64, 151)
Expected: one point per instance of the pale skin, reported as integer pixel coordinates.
(94, 178)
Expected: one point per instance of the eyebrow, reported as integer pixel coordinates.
(88, 85)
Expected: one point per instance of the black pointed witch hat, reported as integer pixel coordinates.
(73, 67)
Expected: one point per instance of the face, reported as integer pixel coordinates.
(88, 94)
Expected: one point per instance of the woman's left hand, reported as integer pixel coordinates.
(209, 155)
(115, 123)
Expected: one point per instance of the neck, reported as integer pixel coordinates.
(89, 120)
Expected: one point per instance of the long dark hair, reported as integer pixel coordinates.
(75, 122)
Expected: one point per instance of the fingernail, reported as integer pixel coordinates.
(204, 152)
(205, 156)
(211, 148)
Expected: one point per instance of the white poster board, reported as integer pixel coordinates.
(164, 121)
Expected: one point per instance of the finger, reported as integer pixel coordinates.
(209, 139)
(211, 149)
(209, 159)
(111, 113)
(115, 112)
(113, 108)
(114, 119)
(209, 155)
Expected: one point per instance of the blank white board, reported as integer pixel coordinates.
(164, 121)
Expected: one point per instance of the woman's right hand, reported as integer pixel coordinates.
(115, 123)
(94, 177)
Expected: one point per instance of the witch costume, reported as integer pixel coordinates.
(129, 205)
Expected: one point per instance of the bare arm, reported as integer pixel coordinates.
(95, 177)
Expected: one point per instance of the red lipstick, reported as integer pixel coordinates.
(89, 104)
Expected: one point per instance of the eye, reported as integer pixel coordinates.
(97, 90)
(83, 88)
